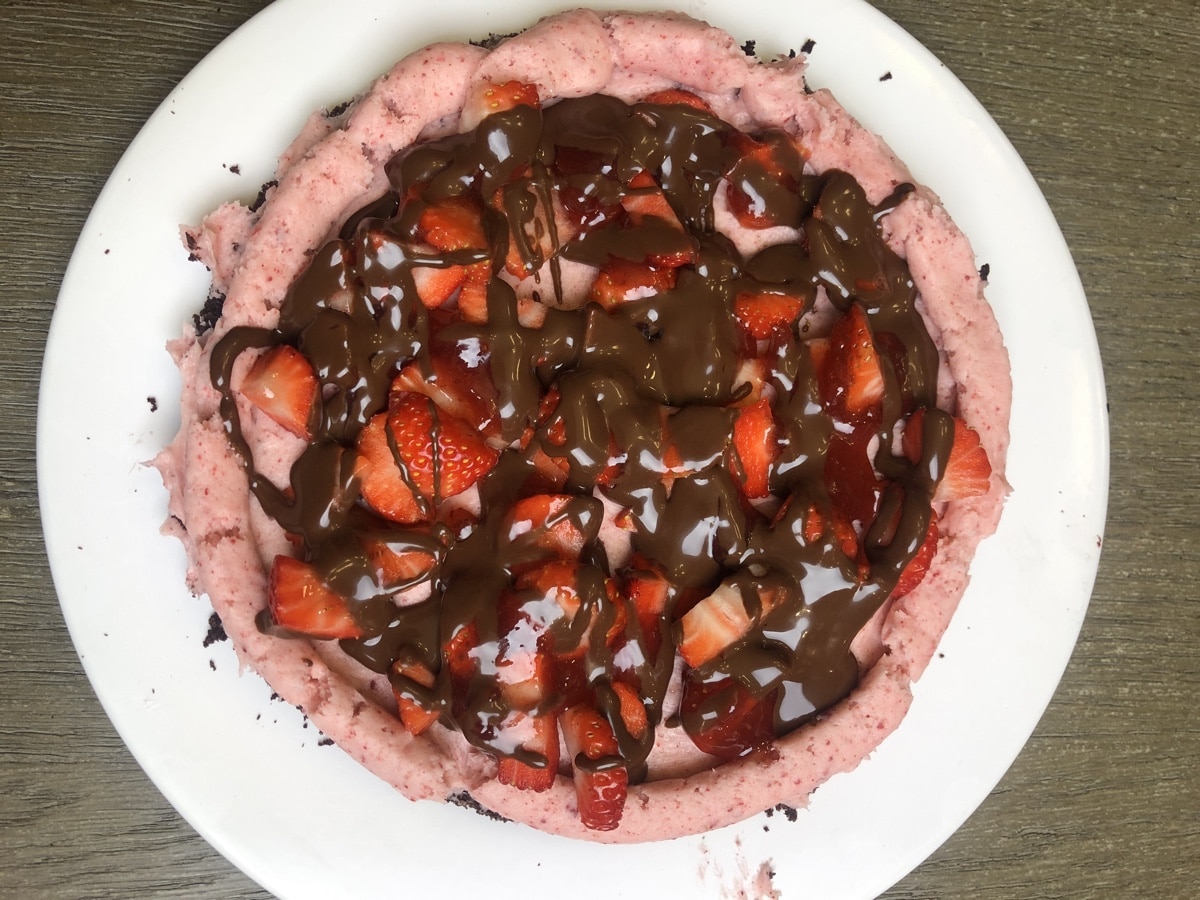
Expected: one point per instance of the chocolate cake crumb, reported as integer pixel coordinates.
(807, 46)
(493, 40)
(789, 812)
(212, 665)
(207, 317)
(236, 169)
(466, 801)
(984, 271)
(886, 76)
(216, 631)
(275, 696)
(748, 48)
(262, 196)
(325, 742)
(153, 401)
(334, 112)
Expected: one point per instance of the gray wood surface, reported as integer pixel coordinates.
(1100, 99)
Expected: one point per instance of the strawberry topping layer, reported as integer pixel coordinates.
(560, 432)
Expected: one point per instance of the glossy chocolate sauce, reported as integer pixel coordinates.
(647, 396)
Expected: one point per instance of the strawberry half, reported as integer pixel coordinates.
(677, 97)
(914, 572)
(539, 735)
(968, 470)
(736, 723)
(621, 281)
(717, 622)
(415, 718)
(300, 601)
(282, 384)
(600, 793)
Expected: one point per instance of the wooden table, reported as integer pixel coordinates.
(1099, 97)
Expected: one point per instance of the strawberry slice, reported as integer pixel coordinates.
(914, 572)
(772, 160)
(492, 97)
(755, 448)
(735, 723)
(649, 593)
(621, 280)
(539, 736)
(647, 206)
(396, 564)
(633, 710)
(677, 97)
(282, 384)
(761, 314)
(437, 285)
(851, 379)
(600, 791)
(453, 223)
(543, 522)
(968, 470)
(381, 483)
(713, 624)
(416, 718)
(457, 388)
(300, 601)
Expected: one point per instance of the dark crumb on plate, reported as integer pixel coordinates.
(207, 317)
(493, 40)
(466, 801)
(153, 401)
(235, 169)
(325, 742)
(789, 812)
(807, 46)
(262, 195)
(275, 696)
(748, 48)
(886, 76)
(335, 111)
(984, 271)
(216, 631)
(212, 665)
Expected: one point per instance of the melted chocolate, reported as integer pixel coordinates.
(643, 416)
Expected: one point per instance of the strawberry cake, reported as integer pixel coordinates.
(596, 435)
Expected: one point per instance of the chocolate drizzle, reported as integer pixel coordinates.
(647, 394)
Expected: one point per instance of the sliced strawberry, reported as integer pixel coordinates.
(649, 593)
(713, 624)
(852, 377)
(464, 391)
(600, 792)
(382, 484)
(437, 285)
(539, 736)
(300, 601)
(396, 563)
(850, 475)
(282, 384)
(760, 313)
(914, 572)
(633, 710)
(543, 522)
(461, 457)
(453, 223)
(458, 652)
(473, 296)
(493, 97)
(734, 723)
(749, 381)
(647, 206)
(416, 718)
(968, 470)
(677, 97)
(645, 199)
(621, 281)
(771, 160)
(755, 447)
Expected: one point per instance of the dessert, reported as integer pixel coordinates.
(601, 433)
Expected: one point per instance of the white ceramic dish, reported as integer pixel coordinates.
(300, 817)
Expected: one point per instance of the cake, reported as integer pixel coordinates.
(598, 433)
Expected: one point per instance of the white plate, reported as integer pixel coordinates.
(301, 818)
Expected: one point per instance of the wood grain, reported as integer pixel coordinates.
(1098, 98)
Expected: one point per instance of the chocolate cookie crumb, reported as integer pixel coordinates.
(336, 111)
(262, 195)
(153, 401)
(807, 46)
(789, 812)
(325, 742)
(216, 631)
(886, 76)
(236, 169)
(207, 317)
(748, 48)
(212, 665)
(466, 801)
(984, 271)
(493, 40)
